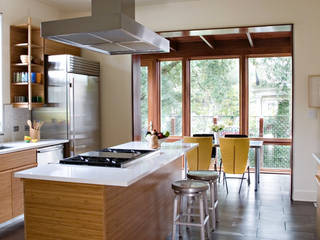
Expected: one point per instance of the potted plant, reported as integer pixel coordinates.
(217, 129)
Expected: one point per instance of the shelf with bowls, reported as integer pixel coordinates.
(27, 68)
(26, 84)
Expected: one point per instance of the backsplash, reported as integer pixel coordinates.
(15, 121)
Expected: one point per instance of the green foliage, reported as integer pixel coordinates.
(144, 100)
(171, 96)
(214, 92)
(271, 78)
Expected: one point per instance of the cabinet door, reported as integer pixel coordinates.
(318, 205)
(17, 159)
(5, 196)
(17, 191)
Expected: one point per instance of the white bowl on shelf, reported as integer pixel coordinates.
(25, 58)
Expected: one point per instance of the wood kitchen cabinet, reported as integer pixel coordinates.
(5, 196)
(17, 191)
(28, 79)
(318, 204)
(11, 188)
(18, 159)
(54, 48)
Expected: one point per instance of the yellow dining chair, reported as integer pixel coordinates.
(199, 158)
(234, 157)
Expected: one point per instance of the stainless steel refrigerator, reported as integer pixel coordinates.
(73, 109)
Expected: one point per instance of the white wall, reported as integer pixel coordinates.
(17, 12)
(115, 97)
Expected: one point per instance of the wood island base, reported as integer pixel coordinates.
(73, 211)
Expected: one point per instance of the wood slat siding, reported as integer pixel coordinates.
(17, 159)
(5, 197)
(70, 211)
(58, 210)
(17, 191)
(143, 210)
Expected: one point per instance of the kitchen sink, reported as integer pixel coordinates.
(4, 147)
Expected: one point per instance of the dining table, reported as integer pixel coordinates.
(257, 146)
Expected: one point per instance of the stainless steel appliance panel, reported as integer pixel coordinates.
(55, 115)
(73, 107)
(49, 155)
(84, 113)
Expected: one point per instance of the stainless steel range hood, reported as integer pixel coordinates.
(111, 30)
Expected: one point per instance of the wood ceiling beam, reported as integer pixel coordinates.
(207, 42)
(228, 48)
(250, 39)
(173, 46)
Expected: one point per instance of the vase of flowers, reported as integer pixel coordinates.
(217, 129)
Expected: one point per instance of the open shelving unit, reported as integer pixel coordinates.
(25, 40)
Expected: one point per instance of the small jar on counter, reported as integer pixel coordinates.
(154, 143)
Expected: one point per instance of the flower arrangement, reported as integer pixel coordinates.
(217, 128)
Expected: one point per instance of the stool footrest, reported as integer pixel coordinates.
(194, 224)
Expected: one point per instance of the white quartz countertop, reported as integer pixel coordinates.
(107, 175)
(21, 145)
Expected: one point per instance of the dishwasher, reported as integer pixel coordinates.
(49, 155)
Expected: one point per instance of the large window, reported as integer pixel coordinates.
(1, 75)
(214, 94)
(270, 100)
(270, 107)
(171, 97)
(144, 100)
(228, 77)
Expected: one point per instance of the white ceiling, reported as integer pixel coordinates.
(85, 5)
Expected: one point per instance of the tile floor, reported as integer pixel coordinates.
(267, 214)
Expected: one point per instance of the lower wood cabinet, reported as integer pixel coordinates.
(17, 192)
(11, 188)
(5, 196)
(318, 205)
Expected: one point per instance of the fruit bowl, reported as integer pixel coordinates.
(162, 140)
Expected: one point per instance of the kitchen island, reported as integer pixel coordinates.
(86, 202)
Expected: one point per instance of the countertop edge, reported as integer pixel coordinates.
(26, 146)
(123, 178)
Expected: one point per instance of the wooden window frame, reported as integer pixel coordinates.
(278, 48)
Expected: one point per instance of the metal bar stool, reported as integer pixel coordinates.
(210, 177)
(197, 190)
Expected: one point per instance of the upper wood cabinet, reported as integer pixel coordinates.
(28, 78)
(53, 48)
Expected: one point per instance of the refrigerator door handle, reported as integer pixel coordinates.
(72, 114)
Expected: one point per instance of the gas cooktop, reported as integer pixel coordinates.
(109, 157)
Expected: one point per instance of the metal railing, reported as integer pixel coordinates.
(270, 126)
